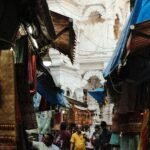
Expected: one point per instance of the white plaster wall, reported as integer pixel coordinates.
(95, 44)
(66, 78)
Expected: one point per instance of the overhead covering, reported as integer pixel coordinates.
(65, 41)
(98, 94)
(46, 27)
(53, 95)
(140, 13)
(84, 108)
(76, 102)
(139, 36)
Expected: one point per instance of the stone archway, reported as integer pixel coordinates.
(92, 79)
(92, 8)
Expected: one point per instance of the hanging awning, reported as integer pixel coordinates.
(98, 94)
(76, 102)
(65, 41)
(139, 37)
(53, 95)
(140, 13)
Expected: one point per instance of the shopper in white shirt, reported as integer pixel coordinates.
(46, 144)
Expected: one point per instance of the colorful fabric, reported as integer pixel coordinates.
(36, 100)
(98, 94)
(53, 95)
(115, 139)
(43, 120)
(78, 141)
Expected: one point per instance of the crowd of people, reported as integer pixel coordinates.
(78, 138)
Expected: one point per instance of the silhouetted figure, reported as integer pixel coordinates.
(95, 137)
(63, 139)
(104, 137)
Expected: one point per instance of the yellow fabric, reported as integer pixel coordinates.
(79, 141)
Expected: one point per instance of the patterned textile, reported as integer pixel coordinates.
(24, 98)
(43, 120)
(8, 136)
(130, 122)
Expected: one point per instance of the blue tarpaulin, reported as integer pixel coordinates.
(140, 13)
(98, 94)
(53, 95)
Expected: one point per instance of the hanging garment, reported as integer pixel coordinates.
(129, 142)
(32, 78)
(144, 137)
(115, 123)
(44, 106)
(115, 139)
(57, 118)
(52, 94)
(36, 100)
(130, 122)
(43, 120)
(21, 49)
(127, 102)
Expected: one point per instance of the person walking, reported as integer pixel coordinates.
(95, 137)
(88, 135)
(63, 139)
(78, 140)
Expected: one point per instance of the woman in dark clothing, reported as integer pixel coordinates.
(95, 138)
(63, 139)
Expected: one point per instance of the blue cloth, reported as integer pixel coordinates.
(115, 139)
(98, 94)
(140, 13)
(53, 95)
(36, 100)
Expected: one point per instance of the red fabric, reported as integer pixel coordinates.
(144, 137)
(43, 105)
(32, 79)
(57, 118)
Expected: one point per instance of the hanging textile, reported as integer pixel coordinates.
(144, 137)
(21, 49)
(44, 105)
(8, 131)
(32, 79)
(44, 120)
(129, 142)
(36, 100)
(53, 95)
(98, 94)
